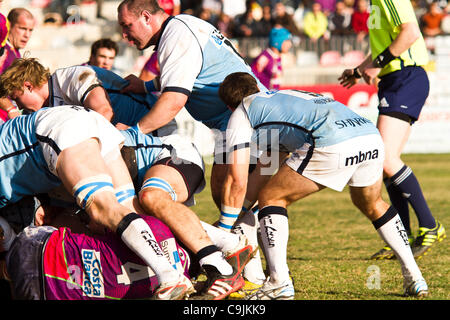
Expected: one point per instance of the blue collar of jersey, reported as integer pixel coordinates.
(163, 27)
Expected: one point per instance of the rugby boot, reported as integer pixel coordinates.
(426, 238)
(270, 291)
(417, 288)
(175, 291)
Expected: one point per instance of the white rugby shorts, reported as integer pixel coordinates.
(183, 149)
(357, 162)
(63, 127)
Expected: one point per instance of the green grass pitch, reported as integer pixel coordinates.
(330, 241)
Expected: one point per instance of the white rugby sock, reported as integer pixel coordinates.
(248, 225)
(211, 255)
(222, 239)
(391, 230)
(137, 235)
(275, 235)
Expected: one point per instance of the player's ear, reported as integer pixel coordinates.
(147, 16)
(28, 85)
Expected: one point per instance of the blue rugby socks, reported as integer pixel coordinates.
(409, 188)
(399, 202)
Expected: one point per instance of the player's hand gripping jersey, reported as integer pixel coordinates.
(194, 59)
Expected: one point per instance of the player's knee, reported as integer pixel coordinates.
(156, 189)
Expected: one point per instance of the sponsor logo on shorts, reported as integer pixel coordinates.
(360, 157)
(93, 284)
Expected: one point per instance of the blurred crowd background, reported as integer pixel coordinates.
(325, 32)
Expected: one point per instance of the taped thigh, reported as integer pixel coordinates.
(161, 184)
(125, 193)
(86, 189)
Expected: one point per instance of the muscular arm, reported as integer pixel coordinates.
(98, 100)
(165, 109)
(235, 185)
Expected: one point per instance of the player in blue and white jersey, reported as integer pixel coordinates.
(89, 86)
(81, 149)
(167, 172)
(330, 146)
(194, 58)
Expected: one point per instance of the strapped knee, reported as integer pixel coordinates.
(125, 193)
(161, 184)
(85, 190)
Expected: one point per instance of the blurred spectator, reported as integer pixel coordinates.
(21, 26)
(266, 21)
(103, 53)
(328, 6)
(285, 19)
(339, 20)
(267, 66)
(171, 7)
(214, 7)
(432, 19)
(233, 8)
(207, 15)
(349, 6)
(315, 23)
(226, 26)
(99, 9)
(248, 24)
(359, 20)
(61, 7)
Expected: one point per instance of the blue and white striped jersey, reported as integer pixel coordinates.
(23, 169)
(194, 59)
(292, 118)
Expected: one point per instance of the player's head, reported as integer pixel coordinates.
(138, 22)
(23, 81)
(280, 39)
(22, 26)
(103, 53)
(4, 32)
(235, 87)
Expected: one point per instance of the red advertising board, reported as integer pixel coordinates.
(360, 95)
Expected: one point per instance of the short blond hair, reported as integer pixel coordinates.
(21, 70)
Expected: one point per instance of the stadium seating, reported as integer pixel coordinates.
(330, 59)
(307, 58)
(353, 58)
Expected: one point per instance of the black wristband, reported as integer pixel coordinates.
(384, 58)
(356, 73)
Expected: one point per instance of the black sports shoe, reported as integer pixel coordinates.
(426, 238)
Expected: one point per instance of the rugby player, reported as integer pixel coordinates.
(48, 263)
(194, 58)
(330, 146)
